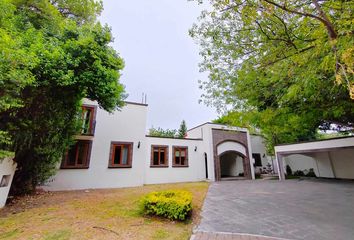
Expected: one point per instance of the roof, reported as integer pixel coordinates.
(135, 103)
(218, 124)
(199, 139)
(315, 146)
(312, 141)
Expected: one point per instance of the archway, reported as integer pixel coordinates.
(231, 165)
(232, 161)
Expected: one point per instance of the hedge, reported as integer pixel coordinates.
(172, 204)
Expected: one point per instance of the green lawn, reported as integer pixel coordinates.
(97, 214)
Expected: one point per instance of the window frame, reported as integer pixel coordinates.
(184, 148)
(85, 165)
(165, 147)
(111, 163)
(92, 126)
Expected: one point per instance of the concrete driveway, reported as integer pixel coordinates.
(292, 209)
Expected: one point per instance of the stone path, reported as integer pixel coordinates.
(293, 209)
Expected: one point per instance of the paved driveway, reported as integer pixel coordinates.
(293, 209)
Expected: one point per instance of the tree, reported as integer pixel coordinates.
(159, 132)
(182, 131)
(54, 53)
(285, 67)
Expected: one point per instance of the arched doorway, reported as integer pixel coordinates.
(231, 165)
(232, 161)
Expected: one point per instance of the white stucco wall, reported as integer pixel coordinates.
(231, 165)
(324, 167)
(258, 146)
(227, 146)
(343, 163)
(301, 162)
(7, 170)
(204, 132)
(127, 125)
(194, 172)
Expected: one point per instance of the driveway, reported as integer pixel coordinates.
(292, 209)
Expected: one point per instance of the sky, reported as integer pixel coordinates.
(161, 59)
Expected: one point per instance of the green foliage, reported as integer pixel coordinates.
(299, 173)
(283, 69)
(159, 132)
(311, 173)
(176, 205)
(182, 131)
(52, 54)
(289, 171)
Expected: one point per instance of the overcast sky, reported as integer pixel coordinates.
(161, 59)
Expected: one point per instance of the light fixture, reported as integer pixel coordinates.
(139, 144)
(195, 148)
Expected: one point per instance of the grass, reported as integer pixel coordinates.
(98, 214)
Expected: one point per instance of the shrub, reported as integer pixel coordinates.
(176, 205)
(299, 173)
(311, 173)
(289, 172)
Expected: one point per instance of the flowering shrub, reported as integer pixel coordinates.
(172, 204)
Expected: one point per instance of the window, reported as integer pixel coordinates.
(88, 120)
(5, 180)
(159, 156)
(78, 156)
(257, 159)
(121, 155)
(180, 156)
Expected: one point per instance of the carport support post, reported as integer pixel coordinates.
(280, 166)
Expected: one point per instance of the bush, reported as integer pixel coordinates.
(299, 173)
(289, 172)
(311, 173)
(176, 205)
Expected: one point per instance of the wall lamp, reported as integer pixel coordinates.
(139, 144)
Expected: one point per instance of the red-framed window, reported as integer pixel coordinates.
(121, 155)
(159, 156)
(78, 155)
(180, 156)
(88, 120)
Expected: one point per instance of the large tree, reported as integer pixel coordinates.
(285, 67)
(53, 53)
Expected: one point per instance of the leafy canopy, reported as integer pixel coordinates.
(52, 55)
(283, 67)
(159, 132)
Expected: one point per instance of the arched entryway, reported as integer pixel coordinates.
(231, 165)
(232, 161)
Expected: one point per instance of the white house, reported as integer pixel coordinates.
(113, 151)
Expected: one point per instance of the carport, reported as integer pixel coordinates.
(330, 158)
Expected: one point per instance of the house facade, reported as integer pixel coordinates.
(113, 151)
